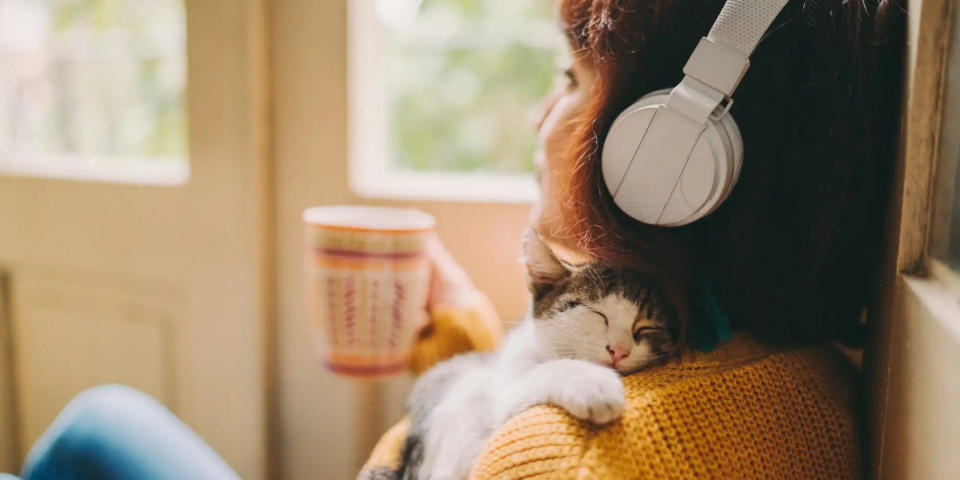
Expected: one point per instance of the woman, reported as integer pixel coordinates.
(790, 259)
(789, 262)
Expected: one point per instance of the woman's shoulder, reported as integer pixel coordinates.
(745, 410)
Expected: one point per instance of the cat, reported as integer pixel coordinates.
(588, 325)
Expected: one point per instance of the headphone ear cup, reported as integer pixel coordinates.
(693, 173)
(736, 144)
(623, 138)
(727, 146)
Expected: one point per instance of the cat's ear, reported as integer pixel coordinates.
(544, 269)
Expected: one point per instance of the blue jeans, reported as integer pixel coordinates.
(114, 432)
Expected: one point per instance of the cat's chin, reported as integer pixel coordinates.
(628, 371)
(620, 370)
(603, 363)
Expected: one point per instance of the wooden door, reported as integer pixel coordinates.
(150, 278)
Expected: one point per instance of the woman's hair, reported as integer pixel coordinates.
(794, 254)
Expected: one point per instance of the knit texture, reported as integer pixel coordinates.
(743, 411)
(746, 410)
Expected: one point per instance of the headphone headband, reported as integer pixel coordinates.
(742, 23)
(717, 65)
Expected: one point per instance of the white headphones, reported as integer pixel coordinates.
(673, 156)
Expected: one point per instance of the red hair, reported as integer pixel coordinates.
(793, 255)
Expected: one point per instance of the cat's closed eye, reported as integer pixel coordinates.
(645, 331)
(606, 322)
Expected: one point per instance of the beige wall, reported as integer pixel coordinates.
(326, 424)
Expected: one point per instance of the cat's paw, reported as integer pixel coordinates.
(589, 392)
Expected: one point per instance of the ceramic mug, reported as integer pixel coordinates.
(368, 278)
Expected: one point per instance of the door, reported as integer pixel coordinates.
(150, 275)
(913, 366)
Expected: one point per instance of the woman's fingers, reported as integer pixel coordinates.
(448, 280)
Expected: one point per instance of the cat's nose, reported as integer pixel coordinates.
(617, 353)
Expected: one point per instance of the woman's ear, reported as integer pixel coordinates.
(544, 270)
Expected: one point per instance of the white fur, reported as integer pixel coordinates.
(565, 359)
(529, 369)
(581, 332)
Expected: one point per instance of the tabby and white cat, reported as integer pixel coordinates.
(589, 324)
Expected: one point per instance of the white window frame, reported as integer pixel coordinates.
(369, 172)
(131, 171)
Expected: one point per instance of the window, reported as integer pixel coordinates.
(945, 223)
(442, 92)
(93, 89)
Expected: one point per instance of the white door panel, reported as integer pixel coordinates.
(73, 330)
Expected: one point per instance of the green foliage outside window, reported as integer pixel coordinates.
(463, 78)
(99, 79)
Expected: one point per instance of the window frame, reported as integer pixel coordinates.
(931, 268)
(88, 168)
(912, 355)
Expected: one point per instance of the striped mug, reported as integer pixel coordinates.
(368, 279)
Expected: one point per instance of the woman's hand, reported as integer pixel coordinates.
(461, 318)
(449, 283)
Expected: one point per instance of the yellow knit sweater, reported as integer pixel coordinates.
(746, 410)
